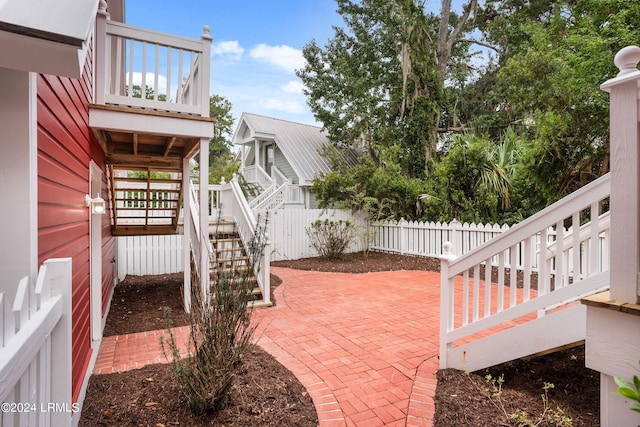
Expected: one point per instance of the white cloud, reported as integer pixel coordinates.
(290, 106)
(282, 56)
(230, 49)
(293, 87)
(149, 81)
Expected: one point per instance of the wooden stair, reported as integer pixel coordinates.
(230, 258)
(145, 201)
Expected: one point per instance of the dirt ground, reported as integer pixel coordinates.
(267, 394)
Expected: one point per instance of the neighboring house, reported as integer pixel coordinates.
(281, 159)
(72, 131)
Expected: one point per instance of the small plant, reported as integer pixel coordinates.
(331, 238)
(519, 418)
(221, 332)
(630, 391)
(367, 236)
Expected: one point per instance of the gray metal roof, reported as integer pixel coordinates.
(301, 144)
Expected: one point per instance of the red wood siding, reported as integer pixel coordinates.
(65, 148)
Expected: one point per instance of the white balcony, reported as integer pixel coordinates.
(151, 99)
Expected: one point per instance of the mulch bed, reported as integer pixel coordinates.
(267, 394)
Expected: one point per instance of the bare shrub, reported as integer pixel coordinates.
(221, 332)
(330, 238)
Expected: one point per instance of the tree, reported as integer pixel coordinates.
(222, 160)
(374, 82)
(552, 85)
(476, 179)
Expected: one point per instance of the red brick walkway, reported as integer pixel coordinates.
(365, 346)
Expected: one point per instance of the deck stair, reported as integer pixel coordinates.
(229, 258)
(490, 316)
(145, 201)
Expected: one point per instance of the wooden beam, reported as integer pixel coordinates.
(142, 161)
(102, 139)
(191, 148)
(135, 144)
(151, 230)
(169, 145)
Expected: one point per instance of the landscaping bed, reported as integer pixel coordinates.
(267, 394)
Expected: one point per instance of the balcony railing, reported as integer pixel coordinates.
(140, 68)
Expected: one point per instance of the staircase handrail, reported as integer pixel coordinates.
(265, 195)
(462, 319)
(201, 243)
(563, 208)
(267, 203)
(277, 175)
(255, 174)
(247, 226)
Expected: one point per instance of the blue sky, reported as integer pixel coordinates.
(257, 46)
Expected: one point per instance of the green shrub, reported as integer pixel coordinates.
(630, 391)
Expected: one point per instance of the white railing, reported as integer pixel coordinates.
(570, 265)
(272, 199)
(278, 176)
(172, 72)
(35, 350)
(247, 225)
(256, 175)
(262, 197)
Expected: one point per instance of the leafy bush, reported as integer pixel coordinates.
(630, 391)
(330, 238)
(221, 333)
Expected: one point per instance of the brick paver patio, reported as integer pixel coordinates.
(364, 345)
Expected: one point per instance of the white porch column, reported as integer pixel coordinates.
(256, 155)
(204, 212)
(18, 178)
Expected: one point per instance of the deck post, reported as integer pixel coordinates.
(612, 345)
(625, 177)
(186, 241)
(204, 217)
(205, 67)
(100, 54)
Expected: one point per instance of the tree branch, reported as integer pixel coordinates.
(478, 42)
(473, 4)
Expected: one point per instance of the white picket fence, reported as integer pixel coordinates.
(426, 238)
(289, 239)
(35, 350)
(143, 255)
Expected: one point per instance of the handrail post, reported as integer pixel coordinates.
(266, 270)
(446, 302)
(625, 173)
(101, 54)
(205, 65)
